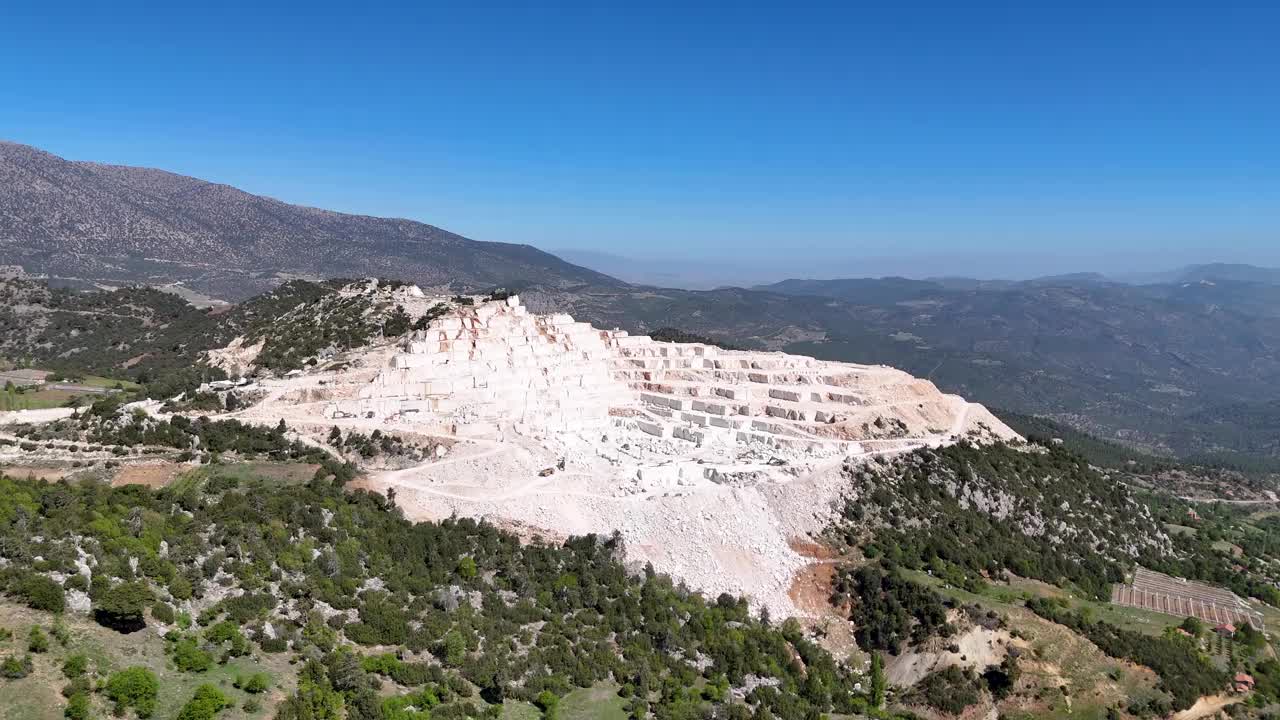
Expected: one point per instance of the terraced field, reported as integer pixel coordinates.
(1162, 593)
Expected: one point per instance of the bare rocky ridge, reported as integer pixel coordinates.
(709, 462)
(114, 224)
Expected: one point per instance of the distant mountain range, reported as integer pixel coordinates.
(114, 225)
(1190, 367)
(1212, 272)
(1204, 273)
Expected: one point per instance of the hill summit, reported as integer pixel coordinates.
(114, 224)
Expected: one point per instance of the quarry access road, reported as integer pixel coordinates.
(530, 490)
(404, 477)
(1229, 501)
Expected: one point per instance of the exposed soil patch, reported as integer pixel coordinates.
(977, 648)
(48, 474)
(810, 592)
(813, 550)
(153, 475)
(811, 589)
(982, 710)
(811, 585)
(1207, 706)
(365, 483)
(528, 533)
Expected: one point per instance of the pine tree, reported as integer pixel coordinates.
(878, 683)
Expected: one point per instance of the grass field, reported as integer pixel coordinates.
(104, 382)
(1019, 590)
(600, 702)
(40, 399)
(43, 397)
(38, 696)
(277, 472)
(594, 703)
(1226, 546)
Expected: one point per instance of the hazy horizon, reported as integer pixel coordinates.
(697, 274)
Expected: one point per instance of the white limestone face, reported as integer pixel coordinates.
(496, 365)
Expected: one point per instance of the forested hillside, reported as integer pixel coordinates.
(979, 521)
(968, 511)
(385, 614)
(159, 340)
(971, 513)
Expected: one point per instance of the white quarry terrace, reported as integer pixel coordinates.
(711, 463)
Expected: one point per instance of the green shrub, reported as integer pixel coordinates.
(163, 612)
(228, 631)
(188, 656)
(254, 684)
(78, 686)
(454, 648)
(76, 582)
(408, 674)
(274, 645)
(60, 631)
(75, 666)
(134, 687)
(951, 690)
(249, 606)
(37, 641)
(888, 609)
(547, 701)
(180, 588)
(409, 707)
(15, 668)
(121, 606)
(207, 702)
(77, 707)
(41, 593)
(381, 623)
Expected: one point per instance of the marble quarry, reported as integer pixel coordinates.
(711, 463)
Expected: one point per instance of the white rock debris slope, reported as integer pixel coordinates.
(709, 462)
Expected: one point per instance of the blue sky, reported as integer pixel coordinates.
(797, 139)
